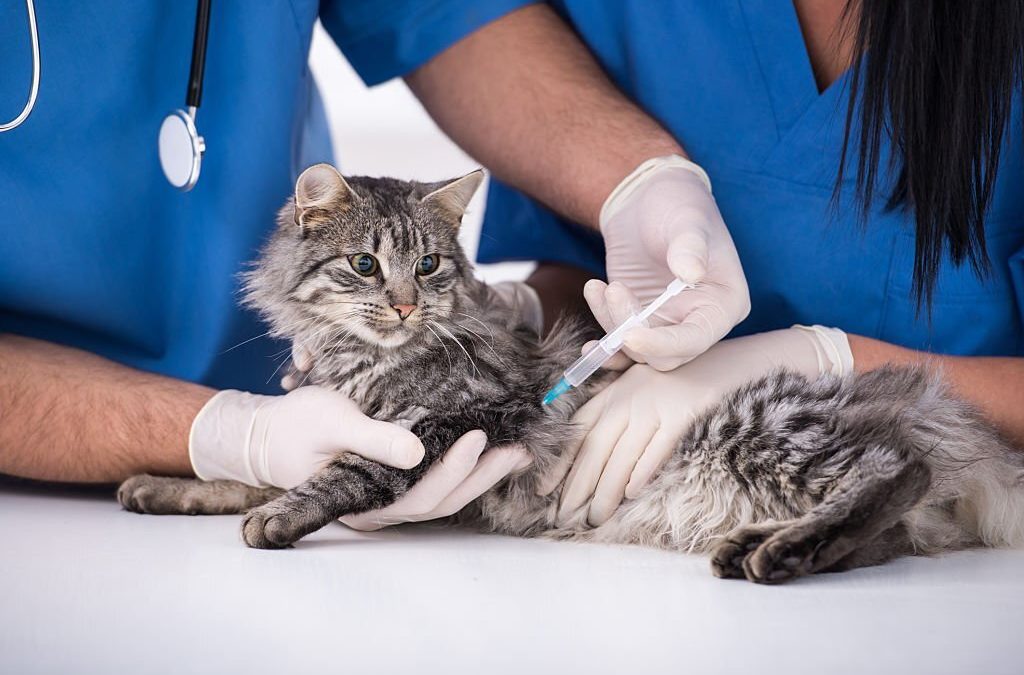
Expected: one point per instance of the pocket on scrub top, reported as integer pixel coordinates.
(970, 315)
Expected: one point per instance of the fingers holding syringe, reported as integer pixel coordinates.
(667, 347)
(611, 305)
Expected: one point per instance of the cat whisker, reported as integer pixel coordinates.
(487, 344)
(460, 345)
(473, 318)
(264, 334)
(451, 366)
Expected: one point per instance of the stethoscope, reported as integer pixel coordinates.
(181, 147)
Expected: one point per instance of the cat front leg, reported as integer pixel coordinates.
(349, 484)
(162, 495)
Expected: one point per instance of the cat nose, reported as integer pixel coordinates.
(403, 310)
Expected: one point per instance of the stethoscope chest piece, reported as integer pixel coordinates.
(180, 145)
(181, 150)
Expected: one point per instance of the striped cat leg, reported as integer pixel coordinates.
(869, 499)
(190, 496)
(349, 484)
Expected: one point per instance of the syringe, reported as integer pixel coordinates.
(609, 345)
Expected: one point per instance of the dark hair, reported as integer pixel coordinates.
(938, 77)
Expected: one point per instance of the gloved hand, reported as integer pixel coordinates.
(282, 440)
(458, 478)
(633, 426)
(660, 223)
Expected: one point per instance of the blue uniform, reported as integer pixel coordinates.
(731, 80)
(97, 251)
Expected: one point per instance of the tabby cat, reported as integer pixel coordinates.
(784, 477)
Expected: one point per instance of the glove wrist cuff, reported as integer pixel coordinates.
(219, 441)
(642, 174)
(832, 348)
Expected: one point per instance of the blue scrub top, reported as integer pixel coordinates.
(97, 251)
(731, 80)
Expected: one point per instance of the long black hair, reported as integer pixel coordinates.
(937, 77)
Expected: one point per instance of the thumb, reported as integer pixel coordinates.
(382, 442)
(594, 294)
(687, 256)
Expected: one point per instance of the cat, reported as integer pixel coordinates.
(784, 477)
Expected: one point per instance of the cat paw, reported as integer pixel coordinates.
(271, 527)
(781, 558)
(150, 494)
(729, 556)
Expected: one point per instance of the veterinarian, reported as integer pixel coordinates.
(916, 257)
(117, 294)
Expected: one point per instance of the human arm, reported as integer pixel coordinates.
(631, 427)
(994, 384)
(68, 415)
(527, 98)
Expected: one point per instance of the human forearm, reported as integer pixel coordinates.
(994, 384)
(525, 97)
(67, 415)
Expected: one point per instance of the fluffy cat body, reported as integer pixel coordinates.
(783, 478)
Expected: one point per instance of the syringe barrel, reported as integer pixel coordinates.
(587, 365)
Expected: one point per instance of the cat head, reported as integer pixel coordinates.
(374, 259)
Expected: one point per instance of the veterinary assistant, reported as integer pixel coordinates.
(756, 93)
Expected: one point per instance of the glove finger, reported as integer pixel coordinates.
(654, 456)
(439, 482)
(302, 358)
(584, 420)
(687, 256)
(612, 487)
(493, 467)
(668, 347)
(594, 294)
(379, 441)
(290, 381)
(621, 304)
(619, 361)
(590, 464)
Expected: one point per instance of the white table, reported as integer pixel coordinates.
(88, 588)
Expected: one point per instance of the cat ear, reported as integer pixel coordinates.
(319, 192)
(452, 199)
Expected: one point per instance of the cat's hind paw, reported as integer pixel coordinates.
(761, 553)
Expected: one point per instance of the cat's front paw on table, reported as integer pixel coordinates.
(271, 527)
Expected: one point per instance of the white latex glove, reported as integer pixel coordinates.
(660, 223)
(458, 478)
(282, 440)
(632, 426)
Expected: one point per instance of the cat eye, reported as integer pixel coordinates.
(427, 264)
(363, 263)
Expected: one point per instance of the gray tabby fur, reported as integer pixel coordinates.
(785, 477)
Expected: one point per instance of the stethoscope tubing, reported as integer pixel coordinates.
(34, 90)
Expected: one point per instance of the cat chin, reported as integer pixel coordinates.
(386, 337)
